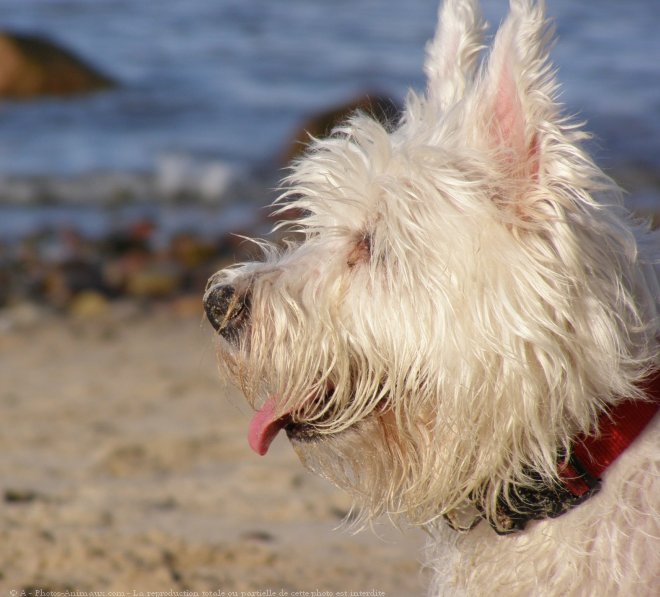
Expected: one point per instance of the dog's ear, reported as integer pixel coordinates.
(513, 106)
(452, 55)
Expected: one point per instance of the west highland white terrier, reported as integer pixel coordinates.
(465, 329)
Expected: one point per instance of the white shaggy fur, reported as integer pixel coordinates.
(465, 296)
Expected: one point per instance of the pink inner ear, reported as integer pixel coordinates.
(508, 122)
(507, 129)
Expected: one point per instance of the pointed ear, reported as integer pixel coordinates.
(451, 57)
(513, 102)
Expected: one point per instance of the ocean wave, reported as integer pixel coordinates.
(176, 178)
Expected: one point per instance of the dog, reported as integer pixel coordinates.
(463, 329)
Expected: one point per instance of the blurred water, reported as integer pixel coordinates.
(212, 88)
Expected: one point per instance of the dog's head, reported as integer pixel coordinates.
(455, 304)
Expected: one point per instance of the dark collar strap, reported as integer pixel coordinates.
(581, 472)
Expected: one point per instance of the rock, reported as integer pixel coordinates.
(381, 107)
(64, 281)
(190, 250)
(156, 281)
(20, 496)
(89, 305)
(32, 66)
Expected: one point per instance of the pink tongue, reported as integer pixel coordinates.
(264, 427)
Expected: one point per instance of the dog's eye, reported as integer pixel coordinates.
(361, 252)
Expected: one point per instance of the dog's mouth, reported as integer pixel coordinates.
(265, 427)
(266, 424)
(269, 420)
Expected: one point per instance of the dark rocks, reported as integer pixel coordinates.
(381, 107)
(69, 273)
(32, 66)
(19, 496)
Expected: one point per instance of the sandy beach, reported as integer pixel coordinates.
(125, 468)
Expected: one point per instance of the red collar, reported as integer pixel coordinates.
(617, 429)
(580, 473)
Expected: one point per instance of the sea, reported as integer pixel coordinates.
(211, 91)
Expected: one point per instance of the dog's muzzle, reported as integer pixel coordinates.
(228, 311)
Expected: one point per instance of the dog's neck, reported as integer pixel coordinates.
(581, 471)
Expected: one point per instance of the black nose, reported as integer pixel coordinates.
(227, 310)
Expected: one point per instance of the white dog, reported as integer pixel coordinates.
(466, 330)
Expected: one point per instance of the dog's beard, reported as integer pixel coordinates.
(361, 460)
(357, 432)
(359, 455)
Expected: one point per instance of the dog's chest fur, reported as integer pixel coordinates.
(585, 550)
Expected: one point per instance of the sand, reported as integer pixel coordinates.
(125, 468)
